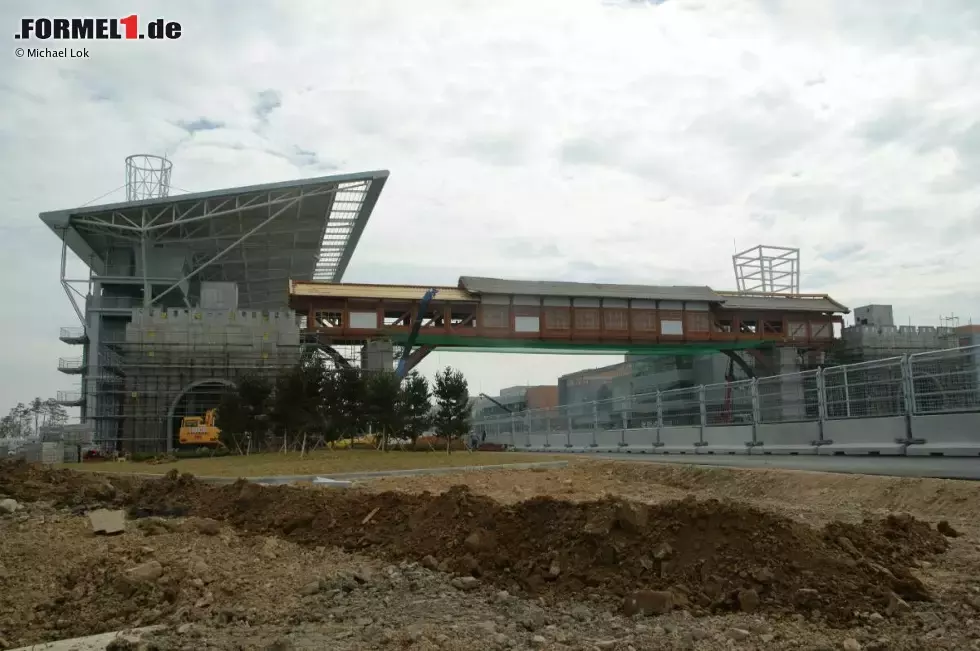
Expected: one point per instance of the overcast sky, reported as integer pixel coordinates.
(556, 139)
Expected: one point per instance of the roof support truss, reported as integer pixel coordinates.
(294, 203)
(68, 284)
(209, 229)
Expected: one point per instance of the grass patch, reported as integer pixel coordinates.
(318, 462)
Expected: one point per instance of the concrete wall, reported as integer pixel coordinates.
(219, 296)
(377, 356)
(932, 435)
(167, 351)
(877, 341)
(259, 330)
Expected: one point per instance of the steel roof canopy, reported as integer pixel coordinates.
(258, 236)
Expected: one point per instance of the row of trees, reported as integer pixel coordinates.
(26, 419)
(319, 404)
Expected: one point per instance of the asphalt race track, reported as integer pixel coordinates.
(937, 467)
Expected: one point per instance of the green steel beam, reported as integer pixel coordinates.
(483, 344)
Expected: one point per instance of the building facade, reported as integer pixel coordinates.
(186, 295)
(516, 399)
(875, 336)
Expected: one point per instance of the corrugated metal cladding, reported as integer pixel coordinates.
(479, 285)
(788, 304)
(388, 292)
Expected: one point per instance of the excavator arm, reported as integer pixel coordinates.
(504, 407)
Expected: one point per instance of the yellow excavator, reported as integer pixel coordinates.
(200, 432)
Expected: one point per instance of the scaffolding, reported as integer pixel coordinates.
(768, 269)
(864, 343)
(145, 389)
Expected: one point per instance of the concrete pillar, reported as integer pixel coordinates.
(792, 389)
(377, 356)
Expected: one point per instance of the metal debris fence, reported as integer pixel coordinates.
(929, 383)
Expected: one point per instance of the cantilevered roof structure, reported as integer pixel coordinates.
(257, 236)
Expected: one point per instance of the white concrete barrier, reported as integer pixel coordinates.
(581, 441)
(679, 440)
(557, 441)
(886, 435)
(609, 440)
(537, 441)
(500, 438)
(640, 441)
(787, 438)
(950, 435)
(725, 439)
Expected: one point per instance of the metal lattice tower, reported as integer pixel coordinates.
(768, 269)
(147, 177)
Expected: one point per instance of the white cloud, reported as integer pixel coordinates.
(563, 139)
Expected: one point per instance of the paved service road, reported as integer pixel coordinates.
(939, 467)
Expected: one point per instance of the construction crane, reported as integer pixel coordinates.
(502, 406)
(414, 334)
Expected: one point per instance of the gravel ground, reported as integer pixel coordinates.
(813, 496)
(324, 462)
(219, 588)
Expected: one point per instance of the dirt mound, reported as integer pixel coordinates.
(704, 552)
(102, 596)
(711, 555)
(29, 482)
(895, 540)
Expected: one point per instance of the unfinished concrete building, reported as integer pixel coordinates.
(874, 335)
(187, 294)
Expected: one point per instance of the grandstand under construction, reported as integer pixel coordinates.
(187, 294)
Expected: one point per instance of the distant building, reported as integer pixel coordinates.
(968, 335)
(629, 388)
(515, 400)
(875, 336)
(874, 315)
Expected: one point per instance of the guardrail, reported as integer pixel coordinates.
(70, 363)
(72, 333)
(921, 404)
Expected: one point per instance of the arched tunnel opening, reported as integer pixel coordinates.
(195, 401)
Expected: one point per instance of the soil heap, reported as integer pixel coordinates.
(708, 555)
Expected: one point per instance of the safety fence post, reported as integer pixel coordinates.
(821, 401)
(908, 398)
